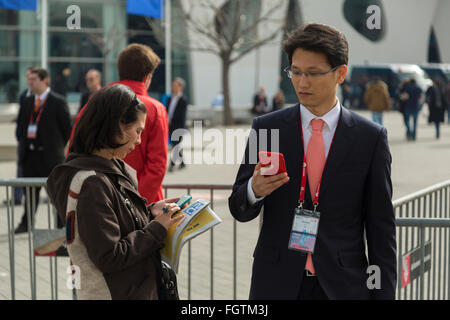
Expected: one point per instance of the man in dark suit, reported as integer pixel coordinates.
(352, 190)
(93, 83)
(177, 109)
(45, 127)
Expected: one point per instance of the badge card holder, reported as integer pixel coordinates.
(304, 230)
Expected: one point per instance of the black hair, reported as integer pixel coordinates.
(99, 125)
(319, 38)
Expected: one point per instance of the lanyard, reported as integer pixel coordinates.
(301, 199)
(38, 118)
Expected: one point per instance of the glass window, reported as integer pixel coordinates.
(71, 44)
(9, 79)
(8, 44)
(8, 17)
(91, 14)
(68, 78)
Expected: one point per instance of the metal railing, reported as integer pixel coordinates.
(30, 185)
(423, 241)
(422, 225)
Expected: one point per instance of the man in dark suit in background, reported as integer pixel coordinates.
(177, 109)
(338, 164)
(45, 127)
(93, 80)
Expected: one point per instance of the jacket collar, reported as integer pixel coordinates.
(137, 86)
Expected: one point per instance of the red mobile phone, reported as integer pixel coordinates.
(272, 163)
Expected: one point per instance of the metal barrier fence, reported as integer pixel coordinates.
(422, 235)
(423, 244)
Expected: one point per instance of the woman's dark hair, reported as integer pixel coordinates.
(319, 38)
(99, 124)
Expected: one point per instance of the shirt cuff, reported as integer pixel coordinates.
(251, 195)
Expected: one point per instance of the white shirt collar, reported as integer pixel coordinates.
(331, 118)
(44, 95)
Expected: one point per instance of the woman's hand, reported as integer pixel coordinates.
(163, 211)
(157, 208)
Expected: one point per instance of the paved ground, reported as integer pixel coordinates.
(416, 165)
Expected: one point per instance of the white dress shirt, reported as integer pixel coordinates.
(331, 120)
(42, 96)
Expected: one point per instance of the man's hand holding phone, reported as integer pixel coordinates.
(264, 180)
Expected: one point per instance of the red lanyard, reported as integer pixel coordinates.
(301, 199)
(38, 118)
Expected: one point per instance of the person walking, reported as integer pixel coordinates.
(18, 191)
(338, 171)
(413, 96)
(136, 65)
(437, 104)
(113, 237)
(44, 131)
(260, 105)
(278, 101)
(377, 99)
(177, 110)
(93, 80)
(447, 100)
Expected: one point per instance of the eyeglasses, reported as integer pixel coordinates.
(308, 75)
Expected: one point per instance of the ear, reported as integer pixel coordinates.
(342, 73)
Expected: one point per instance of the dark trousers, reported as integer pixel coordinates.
(33, 168)
(177, 152)
(18, 192)
(311, 289)
(411, 132)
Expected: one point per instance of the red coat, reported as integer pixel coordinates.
(149, 159)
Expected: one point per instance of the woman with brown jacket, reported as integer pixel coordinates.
(113, 238)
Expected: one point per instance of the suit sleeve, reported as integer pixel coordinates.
(99, 229)
(238, 203)
(380, 219)
(155, 156)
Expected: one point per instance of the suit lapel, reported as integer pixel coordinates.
(340, 148)
(295, 150)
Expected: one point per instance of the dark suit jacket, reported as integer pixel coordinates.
(355, 195)
(179, 116)
(53, 130)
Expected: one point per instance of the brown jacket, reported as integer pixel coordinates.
(117, 252)
(377, 96)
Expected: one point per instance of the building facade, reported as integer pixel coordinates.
(409, 31)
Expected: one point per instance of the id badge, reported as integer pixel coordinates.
(32, 131)
(304, 230)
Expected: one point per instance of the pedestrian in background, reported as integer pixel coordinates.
(44, 130)
(377, 99)
(19, 191)
(437, 105)
(93, 80)
(177, 110)
(278, 101)
(413, 96)
(136, 65)
(447, 99)
(260, 105)
(113, 237)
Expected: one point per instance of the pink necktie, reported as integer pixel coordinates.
(315, 159)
